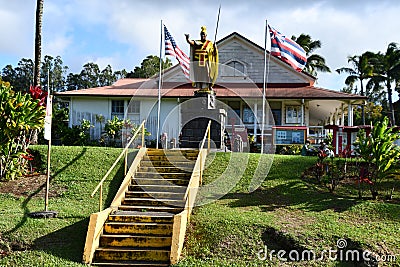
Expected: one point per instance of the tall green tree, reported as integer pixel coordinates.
(74, 82)
(315, 62)
(8, 74)
(24, 75)
(387, 73)
(55, 69)
(90, 75)
(149, 67)
(107, 77)
(38, 41)
(362, 70)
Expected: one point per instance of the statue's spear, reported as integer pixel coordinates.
(216, 29)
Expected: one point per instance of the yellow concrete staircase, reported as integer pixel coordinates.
(146, 223)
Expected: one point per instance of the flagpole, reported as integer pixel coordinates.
(264, 87)
(159, 88)
(46, 200)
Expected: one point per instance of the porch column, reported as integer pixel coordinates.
(342, 116)
(302, 112)
(350, 115)
(336, 117)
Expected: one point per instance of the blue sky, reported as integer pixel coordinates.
(123, 32)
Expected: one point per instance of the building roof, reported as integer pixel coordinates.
(149, 88)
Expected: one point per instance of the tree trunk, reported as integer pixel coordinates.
(362, 106)
(390, 102)
(38, 41)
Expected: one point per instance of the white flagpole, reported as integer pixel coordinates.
(159, 88)
(48, 117)
(264, 87)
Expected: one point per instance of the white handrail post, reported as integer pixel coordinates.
(201, 167)
(209, 137)
(126, 161)
(143, 134)
(101, 197)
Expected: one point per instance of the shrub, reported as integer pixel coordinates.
(21, 115)
(380, 152)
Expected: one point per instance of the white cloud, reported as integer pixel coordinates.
(16, 31)
(57, 46)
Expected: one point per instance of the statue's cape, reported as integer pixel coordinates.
(212, 55)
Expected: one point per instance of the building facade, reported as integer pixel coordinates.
(295, 108)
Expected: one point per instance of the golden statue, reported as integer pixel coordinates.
(203, 62)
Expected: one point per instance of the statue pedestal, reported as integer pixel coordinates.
(195, 114)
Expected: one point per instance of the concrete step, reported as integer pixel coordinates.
(160, 229)
(174, 210)
(186, 165)
(138, 216)
(132, 263)
(166, 175)
(163, 169)
(135, 241)
(189, 152)
(159, 182)
(170, 158)
(154, 194)
(153, 202)
(127, 254)
(157, 188)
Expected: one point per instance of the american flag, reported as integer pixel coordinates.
(287, 50)
(172, 49)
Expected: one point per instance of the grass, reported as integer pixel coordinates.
(57, 241)
(285, 212)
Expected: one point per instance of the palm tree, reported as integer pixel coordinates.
(362, 69)
(315, 62)
(387, 71)
(38, 41)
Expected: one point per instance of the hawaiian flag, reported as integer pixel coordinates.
(287, 50)
(172, 49)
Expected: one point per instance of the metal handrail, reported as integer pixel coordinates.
(124, 152)
(208, 134)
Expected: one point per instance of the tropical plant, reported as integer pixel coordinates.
(379, 151)
(315, 62)
(20, 115)
(100, 119)
(113, 129)
(77, 134)
(362, 69)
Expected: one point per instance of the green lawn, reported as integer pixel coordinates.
(57, 241)
(289, 214)
(284, 213)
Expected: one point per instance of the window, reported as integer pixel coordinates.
(248, 115)
(117, 108)
(134, 111)
(134, 107)
(235, 69)
(293, 114)
(280, 135)
(289, 135)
